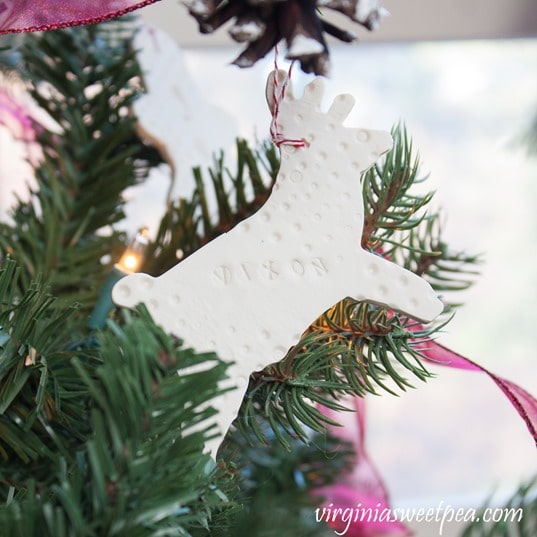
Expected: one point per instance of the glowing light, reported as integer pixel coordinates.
(132, 258)
(130, 262)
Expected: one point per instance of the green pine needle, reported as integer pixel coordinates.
(354, 347)
(132, 462)
(85, 82)
(517, 518)
(188, 223)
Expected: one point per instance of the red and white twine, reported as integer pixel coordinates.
(278, 94)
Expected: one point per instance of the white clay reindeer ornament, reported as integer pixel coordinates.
(249, 294)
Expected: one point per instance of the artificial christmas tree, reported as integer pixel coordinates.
(99, 434)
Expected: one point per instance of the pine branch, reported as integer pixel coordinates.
(401, 225)
(390, 205)
(189, 224)
(517, 518)
(429, 256)
(277, 485)
(85, 81)
(39, 399)
(353, 348)
(138, 469)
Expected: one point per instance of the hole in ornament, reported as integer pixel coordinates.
(297, 226)
(339, 258)
(343, 146)
(279, 352)
(289, 149)
(153, 303)
(296, 176)
(373, 269)
(276, 237)
(176, 299)
(246, 349)
(362, 135)
(124, 291)
(310, 138)
(403, 280)
(355, 165)
(334, 175)
(329, 238)
(347, 195)
(265, 216)
(242, 381)
(245, 226)
(331, 126)
(383, 290)
(232, 330)
(181, 323)
(265, 334)
(307, 247)
(314, 186)
(147, 283)
(323, 155)
(299, 117)
(303, 165)
(286, 206)
(307, 196)
(212, 343)
(317, 217)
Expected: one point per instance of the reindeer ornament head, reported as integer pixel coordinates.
(249, 294)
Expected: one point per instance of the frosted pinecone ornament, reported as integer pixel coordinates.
(262, 24)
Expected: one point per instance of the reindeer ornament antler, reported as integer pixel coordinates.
(249, 294)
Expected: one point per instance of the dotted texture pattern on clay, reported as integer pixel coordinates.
(249, 294)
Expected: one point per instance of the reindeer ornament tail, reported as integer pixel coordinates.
(249, 294)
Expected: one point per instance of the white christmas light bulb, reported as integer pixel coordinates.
(249, 294)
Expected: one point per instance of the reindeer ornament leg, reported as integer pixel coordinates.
(249, 294)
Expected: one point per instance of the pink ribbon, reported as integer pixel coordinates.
(358, 505)
(37, 15)
(524, 403)
(17, 118)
